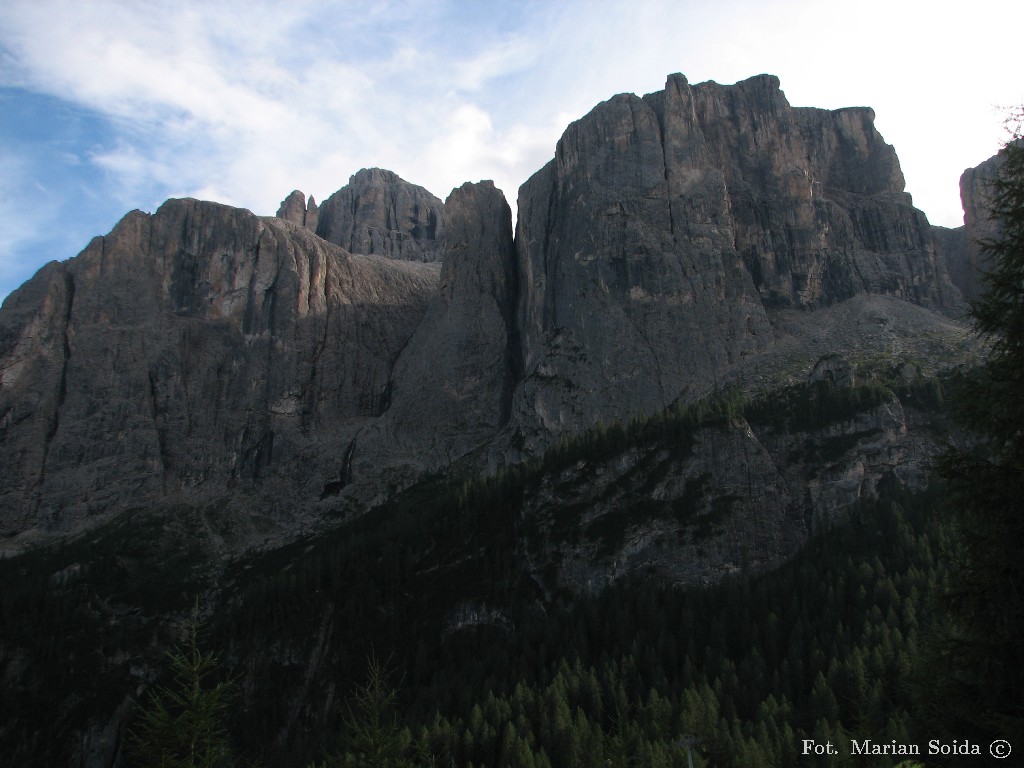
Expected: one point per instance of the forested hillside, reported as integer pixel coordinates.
(493, 663)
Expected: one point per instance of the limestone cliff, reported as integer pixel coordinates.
(960, 247)
(452, 386)
(379, 213)
(677, 242)
(954, 247)
(654, 245)
(195, 353)
(298, 210)
(978, 224)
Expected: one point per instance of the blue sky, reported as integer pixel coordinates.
(111, 105)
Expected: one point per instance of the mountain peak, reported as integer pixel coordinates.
(367, 176)
(298, 210)
(380, 213)
(665, 249)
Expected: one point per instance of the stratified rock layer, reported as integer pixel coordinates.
(380, 213)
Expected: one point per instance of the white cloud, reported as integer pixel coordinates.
(244, 101)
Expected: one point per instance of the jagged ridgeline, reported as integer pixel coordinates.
(676, 242)
(394, 422)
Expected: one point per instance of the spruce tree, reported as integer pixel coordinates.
(984, 650)
(372, 736)
(183, 725)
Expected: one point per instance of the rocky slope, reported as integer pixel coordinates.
(743, 496)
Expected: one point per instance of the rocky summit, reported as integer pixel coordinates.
(285, 368)
(189, 352)
(379, 213)
(654, 246)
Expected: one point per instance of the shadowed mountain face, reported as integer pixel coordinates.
(196, 352)
(202, 355)
(963, 244)
(653, 245)
(719, 323)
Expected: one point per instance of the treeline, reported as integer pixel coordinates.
(824, 649)
(81, 623)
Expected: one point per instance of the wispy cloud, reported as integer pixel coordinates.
(237, 90)
(244, 101)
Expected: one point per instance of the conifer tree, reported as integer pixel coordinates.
(985, 650)
(183, 725)
(371, 734)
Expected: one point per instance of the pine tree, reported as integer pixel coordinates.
(183, 725)
(985, 650)
(371, 734)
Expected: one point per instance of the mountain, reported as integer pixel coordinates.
(379, 213)
(654, 246)
(718, 325)
(205, 355)
(193, 353)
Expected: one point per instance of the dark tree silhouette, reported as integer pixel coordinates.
(984, 649)
(183, 724)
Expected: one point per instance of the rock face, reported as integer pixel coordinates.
(954, 246)
(676, 242)
(978, 225)
(654, 244)
(195, 353)
(632, 289)
(817, 197)
(452, 386)
(960, 247)
(380, 213)
(296, 209)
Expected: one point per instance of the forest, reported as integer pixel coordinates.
(422, 621)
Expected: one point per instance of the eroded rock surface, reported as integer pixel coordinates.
(379, 213)
(452, 386)
(298, 210)
(692, 238)
(653, 246)
(196, 352)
